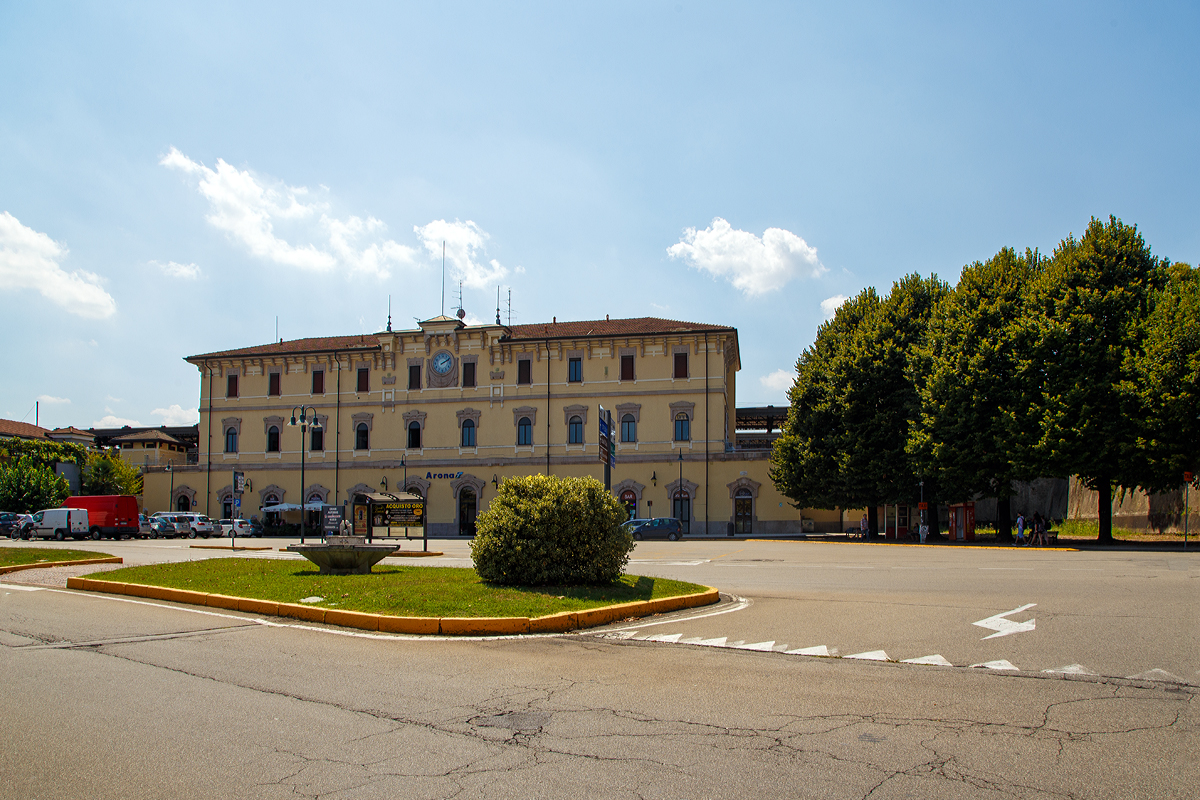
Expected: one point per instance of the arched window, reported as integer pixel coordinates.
(628, 428)
(575, 431)
(682, 510)
(743, 511)
(524, 431)
(468, 433)
(270, 517)
(414, 435)
(629, 500)
(231, 440)
(362, 437)
(683, 427)
(273, 439)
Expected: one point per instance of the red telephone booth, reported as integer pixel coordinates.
(962, 522)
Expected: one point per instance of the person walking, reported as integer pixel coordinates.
(1039, 530)
(1021, 529)
(862, 528)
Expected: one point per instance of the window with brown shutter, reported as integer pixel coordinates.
(364, 379)
(318, 381)
(681, 365)
(231, 386)
(525, 371)
(273, 384)
(626, 368)
(468, 374)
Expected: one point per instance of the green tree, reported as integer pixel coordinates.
(1167, 372)
(855, 398)
(107, 473)
(1088, 312)
(26, 486)
(974, 408)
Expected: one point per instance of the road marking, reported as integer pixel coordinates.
(871, 655)
(18, 588)
(934, 660)
(997, 665)
(1156, 675)
(819, 650)
(670, 638)
(765, 647)
(740, 604)
(1020, 569)
(1071, 669)
(1002, 626)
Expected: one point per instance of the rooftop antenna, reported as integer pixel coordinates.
(510, 306)
(389, 314)
(443, 277)
(461, 313)
(497, 304)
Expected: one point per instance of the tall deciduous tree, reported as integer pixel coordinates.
(27, 486)
(1089, 308)
(844, 444)
(968, 433)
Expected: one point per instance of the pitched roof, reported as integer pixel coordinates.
(637, 326)
(71, 429)
(21, 430)
(322, 344)
(149, 435)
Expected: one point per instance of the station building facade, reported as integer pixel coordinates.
(450, 411)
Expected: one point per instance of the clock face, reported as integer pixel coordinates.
(442, 362)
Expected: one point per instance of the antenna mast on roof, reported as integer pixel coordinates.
(510, 306)
(443, 277)
(461, 314)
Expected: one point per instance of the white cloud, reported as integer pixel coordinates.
(30, 260)
(779, 381)
(830, 305)
(753, 265)
(111, 421)
(465, 242)
(248, 210)
(176, 415)
(45, 398)
(186, 271)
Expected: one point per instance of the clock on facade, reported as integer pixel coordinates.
(442, 363)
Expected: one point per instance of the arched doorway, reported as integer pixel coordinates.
(313, 519)
(629, 500)
(271, 517)
(682, 509)
(743, 511)
(467, 506)
(183, 504)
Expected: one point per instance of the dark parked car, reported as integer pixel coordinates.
(658, 528)
(9, 520)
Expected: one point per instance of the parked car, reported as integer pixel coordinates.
(658, 528)
(57, 523)
(256, 527)
(164, 528)
(198, 524)
(237, 527)
(114, 515)
(9, 521)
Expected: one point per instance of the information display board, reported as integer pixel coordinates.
(403, 514)
(331, 519)
(362, 520)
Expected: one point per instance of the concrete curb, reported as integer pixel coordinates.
(397, 554)
(223, 547)
(81, 563)
(428, 626)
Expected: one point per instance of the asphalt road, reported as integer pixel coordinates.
(116, 697)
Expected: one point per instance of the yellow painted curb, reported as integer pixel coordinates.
(483, 626)
(81, 563)
(446, 626)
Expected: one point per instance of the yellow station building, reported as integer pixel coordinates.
(450, 411)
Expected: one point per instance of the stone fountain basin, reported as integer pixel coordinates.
(344, 555)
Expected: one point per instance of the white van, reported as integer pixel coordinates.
(59, 523)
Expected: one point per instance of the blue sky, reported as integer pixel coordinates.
(175, 177)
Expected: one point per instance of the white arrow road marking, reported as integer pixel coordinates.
(819, 650)
(1002, 626)
(1071, 669)
(1001, 664)
(872, 655)
(934, 660)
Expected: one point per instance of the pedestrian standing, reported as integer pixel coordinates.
(862, 528)
(1039, 530)
(1021, 529)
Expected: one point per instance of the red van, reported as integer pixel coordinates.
(114, 515)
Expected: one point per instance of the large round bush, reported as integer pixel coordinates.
(547, 531)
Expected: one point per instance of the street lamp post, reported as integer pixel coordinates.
(304, 426)
(171, 496)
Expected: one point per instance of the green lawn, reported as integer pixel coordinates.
(11, 556)
(395, 590)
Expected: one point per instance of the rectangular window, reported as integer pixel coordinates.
(318, 439)
(681, 365)
(626, 368)
(231, 387)
(468, 374)
(273, 381)
(525, 371)
(318, 381)
(364, 379)
(575, 370)
(414, 377)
